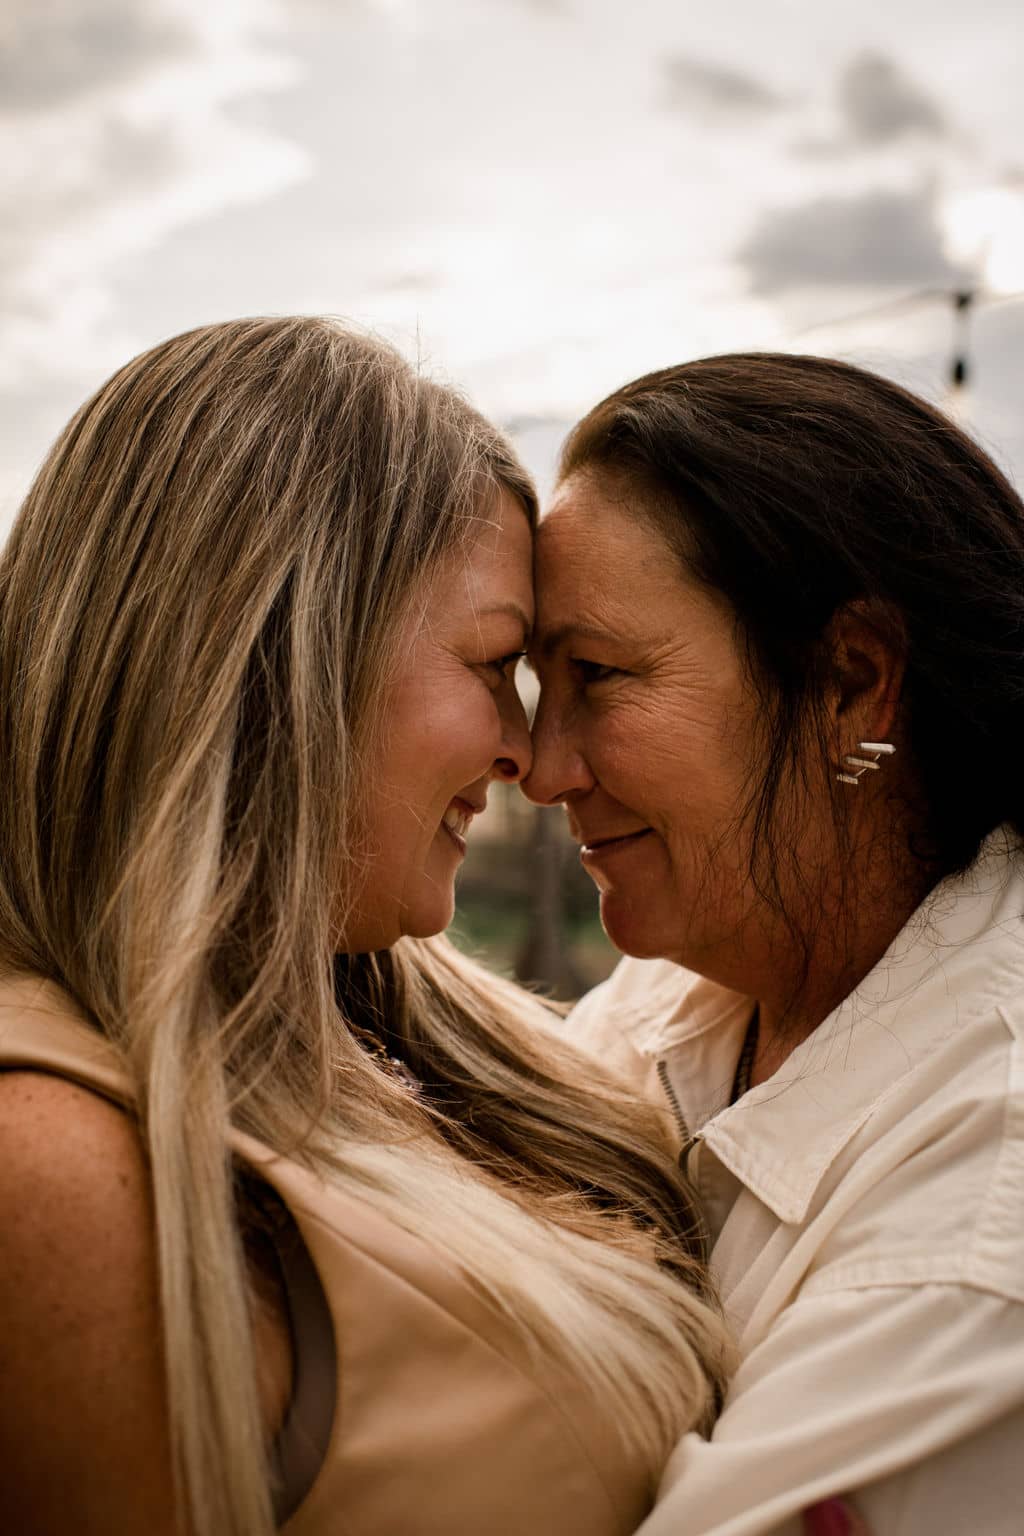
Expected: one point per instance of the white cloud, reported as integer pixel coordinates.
(59, 50)
(878, 238)
(880, 103)
(496, 183)
(122, 132)
(701, 86)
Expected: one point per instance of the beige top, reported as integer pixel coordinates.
(442, 1426)
(867, 1206)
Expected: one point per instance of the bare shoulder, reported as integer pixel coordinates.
(82, 1416)
(73, 1183)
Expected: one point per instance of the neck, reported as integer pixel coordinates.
(848, 940)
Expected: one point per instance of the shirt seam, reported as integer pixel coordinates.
(998, 1223)
(848, 1281)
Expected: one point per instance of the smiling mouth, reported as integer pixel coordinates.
(456, 821)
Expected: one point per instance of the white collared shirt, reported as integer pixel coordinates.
(866, 1207)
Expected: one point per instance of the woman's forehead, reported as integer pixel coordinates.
(596, 558)
(598, 514)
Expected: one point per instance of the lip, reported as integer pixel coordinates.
(460, 842)
(588, 841)
(469, 808)
(607, 847)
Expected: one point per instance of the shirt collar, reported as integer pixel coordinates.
(961, 953)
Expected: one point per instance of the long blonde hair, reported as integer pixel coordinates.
(199, 606)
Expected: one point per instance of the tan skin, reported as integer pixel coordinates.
(82, 1417)
(647, 731)
(455, 723)
(83, 1421)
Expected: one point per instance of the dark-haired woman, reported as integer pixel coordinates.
(781, 644)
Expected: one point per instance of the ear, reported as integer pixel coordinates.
(868, 650)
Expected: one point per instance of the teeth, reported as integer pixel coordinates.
(457, 821)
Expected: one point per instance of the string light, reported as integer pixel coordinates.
(965, 304)
(959, 370)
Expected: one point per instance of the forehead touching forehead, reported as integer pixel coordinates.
(601, 558)
(498, 568)
(490, 573)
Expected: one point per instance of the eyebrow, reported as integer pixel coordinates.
(510, 608)
(550, 641)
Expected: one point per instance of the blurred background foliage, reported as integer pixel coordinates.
(525, 906)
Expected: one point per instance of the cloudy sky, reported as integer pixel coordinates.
(539, 198)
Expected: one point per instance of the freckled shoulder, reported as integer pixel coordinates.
(83, 1424)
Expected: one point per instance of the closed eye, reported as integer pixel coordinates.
(505, 666)
(590, 671)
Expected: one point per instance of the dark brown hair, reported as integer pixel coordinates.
(794, 485)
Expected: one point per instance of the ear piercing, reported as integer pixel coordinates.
(858, 766)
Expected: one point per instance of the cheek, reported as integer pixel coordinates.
(675, 759)
(629, 761)
(452, 734)
(465, 738)
(707, 829)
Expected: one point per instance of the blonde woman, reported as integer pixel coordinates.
(258, 621)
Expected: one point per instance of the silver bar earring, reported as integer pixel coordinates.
(862, 765)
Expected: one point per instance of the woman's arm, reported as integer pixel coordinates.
(909, 1400)
(84, 1441)
(84, 1438)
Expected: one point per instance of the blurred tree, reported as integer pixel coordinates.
(545, 959)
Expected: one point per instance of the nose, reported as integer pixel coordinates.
(516, 759)
(559, 768)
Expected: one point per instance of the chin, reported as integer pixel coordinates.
(427, 919)
(631, 930)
